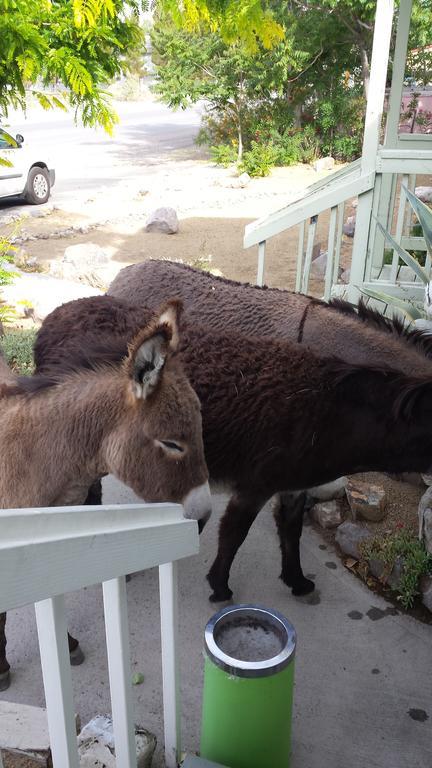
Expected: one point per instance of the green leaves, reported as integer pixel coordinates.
(404, 255)
(78, 43)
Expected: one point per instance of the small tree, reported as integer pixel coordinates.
(71, 46)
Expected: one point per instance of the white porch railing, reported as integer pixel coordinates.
(45, 553)
(375, 180)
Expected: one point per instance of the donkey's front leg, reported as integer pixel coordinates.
(233, 529)
(4, 666)
(288, 513)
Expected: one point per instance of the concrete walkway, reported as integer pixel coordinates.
(363, 695)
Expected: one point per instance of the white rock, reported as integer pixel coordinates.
(328, 514)
(44, 292)
(96, 744)
(334, 490)
(424, 194)
(85, 255)
(324, 164)
(162, 220)
(345, 276)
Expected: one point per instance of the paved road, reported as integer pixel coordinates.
(87, 161)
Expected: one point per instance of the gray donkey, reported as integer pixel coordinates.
(139, 420)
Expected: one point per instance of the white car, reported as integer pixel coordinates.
(29, 175)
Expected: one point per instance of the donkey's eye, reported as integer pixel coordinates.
(170, 445)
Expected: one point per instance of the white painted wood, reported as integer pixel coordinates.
(300, 256)
(1, 759)
(405, 164)
(399, 227)
(170, 664)
(330, 254)
(308, 258)
(312, 205)
(378, 76)
(106, 542)
(398, 72)
(339, 233)
(120, 676)
(54, 652)
(261, 262)
(413, 243)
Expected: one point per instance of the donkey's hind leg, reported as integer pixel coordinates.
(233, 529)
(4, 666)
(288, 512)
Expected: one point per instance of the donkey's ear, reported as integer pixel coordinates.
(169, 315)
(147, 361)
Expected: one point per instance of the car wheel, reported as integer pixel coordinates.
(38, 186)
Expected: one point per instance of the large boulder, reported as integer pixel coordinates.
(324, 164)
(366, 500)
(349, 536)
(44, 293)
(162, 220)
(424, 194)
(85, 263)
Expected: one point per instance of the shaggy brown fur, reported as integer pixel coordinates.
(354, 334)
(58, 436)
(275, 417)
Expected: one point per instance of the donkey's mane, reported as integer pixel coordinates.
(422, 340)
(94, 358)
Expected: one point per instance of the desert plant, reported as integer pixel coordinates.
(404, 546)
(258, 160)
(17, 345)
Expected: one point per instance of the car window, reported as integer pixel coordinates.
(6, 141)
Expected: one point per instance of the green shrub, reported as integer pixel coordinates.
(416, 562)
(224, 154)
(347, 148)
(17, 346)
(259, 160)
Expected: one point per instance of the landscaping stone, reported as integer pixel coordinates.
(239, 182)
(426, 591)
(427, 479)
(43, 292)
(349, 226)
(328, 514)
(84, 263)
(324, 164)
(319, 265)
(425, 518)
(349, 536)
(424, 194)
(366, 501)
(162, 220)
(96, 744)
(333, 490)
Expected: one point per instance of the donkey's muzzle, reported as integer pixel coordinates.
(197, 505)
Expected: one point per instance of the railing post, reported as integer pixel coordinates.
(118, 649)
(261, 263)
(54, 652)
(170, 667)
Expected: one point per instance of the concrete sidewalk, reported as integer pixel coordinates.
(363, 695)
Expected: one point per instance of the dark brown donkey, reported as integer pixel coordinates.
(140, 420)
(356, 335)
(275, 417)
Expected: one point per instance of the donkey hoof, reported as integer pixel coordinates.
(222, 596)
(303, 587)
(76, 656)
(4, 680)
(128, 578)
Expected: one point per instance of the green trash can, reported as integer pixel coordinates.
(248, 688)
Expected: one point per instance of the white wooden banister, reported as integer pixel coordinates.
(45, 553)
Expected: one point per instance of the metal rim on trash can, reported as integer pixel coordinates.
(241, 668)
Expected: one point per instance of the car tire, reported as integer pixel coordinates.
(37, 189)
